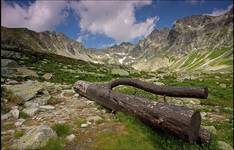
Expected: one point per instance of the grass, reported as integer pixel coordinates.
(79, 121)
(217, 95)
(139, 136)
(219, 52)
(62, 129)
(23, 115)
(54, 144)
(134, 91)
(18, 134)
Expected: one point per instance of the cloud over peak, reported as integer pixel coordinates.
(114, 19)
(218, 12)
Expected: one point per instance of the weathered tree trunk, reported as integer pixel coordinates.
(190, 92)
(179, 120)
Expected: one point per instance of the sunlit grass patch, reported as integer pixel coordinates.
(62, 129)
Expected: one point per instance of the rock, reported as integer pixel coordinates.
(24, 72)
(70, 137)
(9, 63)
(224, 146)
(211, 129)
(2, 80)
(119, 72)
(35, 138)
(19, 122)
(24, 91)
(84, 125)
(43, 99)
(31, 111)
(222, 85)
(94, 118)
(6, 116)
(15, 113)
(47, 76)
(46, 107)
(203, 115)
(158, 83)
(11, 82)
(31, 104)
(11, 131)
(7, 72)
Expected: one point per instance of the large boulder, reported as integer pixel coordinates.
(31, 111)
(24, 72)
(24, 91)
(9, 63)
(35, 138)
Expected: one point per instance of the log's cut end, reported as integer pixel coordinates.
(195, 123)
(81, 87)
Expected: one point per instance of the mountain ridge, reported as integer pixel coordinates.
(200, 34)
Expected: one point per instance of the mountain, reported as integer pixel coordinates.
(195, 42)
(199, 42)
(46, 42)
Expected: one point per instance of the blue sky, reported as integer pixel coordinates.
(99, 24)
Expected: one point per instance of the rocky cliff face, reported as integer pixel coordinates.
(197, 42)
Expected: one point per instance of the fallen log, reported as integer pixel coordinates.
(178, 120)
(189, 92)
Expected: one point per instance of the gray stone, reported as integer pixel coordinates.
(24, 91)
(31, 110)
(224, 146)
(9, 63)
(84, 125)
(47, 76)
(15, 113)
(19, 122)
(6, 116)
(158, 83)
(24, 72)
(7, 72)
(203, 115)
(70, 137)
(11, 82)
(46, 107)
(211, 129)
(35, 138)
(43, 99)
(94, 118)
(31, 104)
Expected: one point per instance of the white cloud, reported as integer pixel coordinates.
(115, 19)
(194, 2)
(218, 12)
(107, 45)
(39, 16)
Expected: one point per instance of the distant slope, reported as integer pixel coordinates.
(49, 42)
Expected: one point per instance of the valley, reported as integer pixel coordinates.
(39, 69)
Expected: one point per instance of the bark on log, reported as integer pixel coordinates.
(190, 92)
(179, 120)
